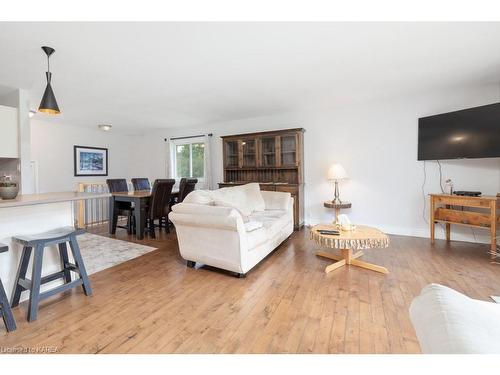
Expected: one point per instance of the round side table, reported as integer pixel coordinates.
(338, 207)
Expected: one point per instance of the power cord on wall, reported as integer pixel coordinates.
(440, 176)
(424, 215)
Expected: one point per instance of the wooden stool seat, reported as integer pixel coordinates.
(38, 242)
(55, 236)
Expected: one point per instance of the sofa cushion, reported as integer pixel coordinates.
(254, 195)
(250, 226)
(275, 200)
(245, 198)
(272, 220)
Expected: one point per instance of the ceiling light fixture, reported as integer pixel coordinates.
(104, 127)
(49, 104)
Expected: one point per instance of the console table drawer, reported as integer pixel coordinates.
(463, 217)
(462, 201)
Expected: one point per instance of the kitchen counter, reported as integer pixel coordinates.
(34, 199)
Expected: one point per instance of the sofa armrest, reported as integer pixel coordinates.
(196, 215)
(276, 200)
(448, 322)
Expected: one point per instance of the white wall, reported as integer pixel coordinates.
(52, 149)
(377, 144)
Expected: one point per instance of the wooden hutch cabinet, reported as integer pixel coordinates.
(274, 159)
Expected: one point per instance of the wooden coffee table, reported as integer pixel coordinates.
(361, 238)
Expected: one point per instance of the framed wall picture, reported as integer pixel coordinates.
(90, 161)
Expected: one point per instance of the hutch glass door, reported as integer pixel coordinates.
(249, 153)
(231, 153)
(288, 150)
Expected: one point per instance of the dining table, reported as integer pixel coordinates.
(140, 199)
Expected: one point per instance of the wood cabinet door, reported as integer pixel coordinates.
(231, 154)
(248, 152)
(267, 151)
(288, 148)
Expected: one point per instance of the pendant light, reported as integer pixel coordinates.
(49, 104)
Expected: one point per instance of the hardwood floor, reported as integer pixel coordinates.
(287, 304)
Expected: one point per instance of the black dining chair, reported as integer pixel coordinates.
(186, 186)
(141, 184)
(159, 206)
(119, 185)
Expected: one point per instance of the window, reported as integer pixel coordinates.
(188, 158)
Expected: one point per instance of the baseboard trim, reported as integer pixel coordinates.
(458, 234)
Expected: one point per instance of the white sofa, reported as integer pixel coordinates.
(448, 322)
(232, 228)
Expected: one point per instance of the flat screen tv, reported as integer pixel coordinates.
(469, 133)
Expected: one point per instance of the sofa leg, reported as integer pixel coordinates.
(240, 275)
(190, 264)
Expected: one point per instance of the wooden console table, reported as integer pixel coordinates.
(476, 212)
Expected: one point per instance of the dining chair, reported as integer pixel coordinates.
(159, 206)
(141, 184)
(119, 185)
(186, 186)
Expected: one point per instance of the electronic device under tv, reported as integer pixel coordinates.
(469, 133)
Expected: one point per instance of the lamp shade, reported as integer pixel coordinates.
(49, 103)
(336, 172)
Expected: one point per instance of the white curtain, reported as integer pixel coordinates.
(168, 164)
(208, 162)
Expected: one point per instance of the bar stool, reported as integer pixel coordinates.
(5, 311)
(38, 242)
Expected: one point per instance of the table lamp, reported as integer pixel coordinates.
(335, 174)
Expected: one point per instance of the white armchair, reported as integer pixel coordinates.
(212, 232)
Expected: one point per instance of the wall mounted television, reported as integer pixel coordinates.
(469, 133)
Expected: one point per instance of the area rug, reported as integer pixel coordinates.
(100, 252)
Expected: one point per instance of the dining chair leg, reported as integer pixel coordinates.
(167, 224)
(129, 223)
(152, 228)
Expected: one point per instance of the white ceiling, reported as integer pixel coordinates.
(160, 75)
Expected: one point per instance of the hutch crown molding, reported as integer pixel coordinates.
(274, 159)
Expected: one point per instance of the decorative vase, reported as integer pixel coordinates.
(8, 188)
